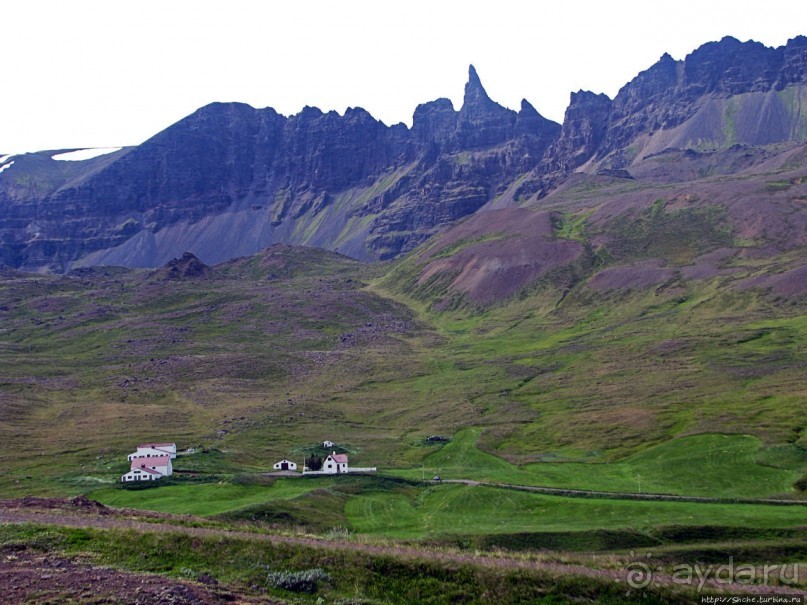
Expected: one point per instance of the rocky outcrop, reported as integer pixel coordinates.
(723, 93)
(185, 267)
(584, 127)
(794, 63)
(434, 122)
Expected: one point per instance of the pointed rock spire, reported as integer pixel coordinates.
(482, 122)
(475, 94)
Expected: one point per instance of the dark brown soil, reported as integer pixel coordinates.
(29, 577)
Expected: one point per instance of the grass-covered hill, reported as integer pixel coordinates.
(250, 356)
(616, 313)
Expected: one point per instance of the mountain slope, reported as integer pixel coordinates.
(265, 354)
(662, 230)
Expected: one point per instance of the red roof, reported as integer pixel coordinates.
(143, 462)
(147, 470)
(341, 458)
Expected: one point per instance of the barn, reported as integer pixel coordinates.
(285, 465)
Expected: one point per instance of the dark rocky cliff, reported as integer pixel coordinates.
(721, 94)
(229, 179)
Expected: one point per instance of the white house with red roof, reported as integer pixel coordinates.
(335, 463)
(148, 468)
(154, 450)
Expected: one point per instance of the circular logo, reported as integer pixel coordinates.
(639, 575)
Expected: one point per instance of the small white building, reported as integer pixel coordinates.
(154, 450)
(328, 444)
(148, 469)
(285, 465)
(335, 463)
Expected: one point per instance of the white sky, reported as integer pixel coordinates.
(104, 73)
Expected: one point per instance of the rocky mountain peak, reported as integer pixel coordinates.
(731, 67)
(475, 93)
(482, 122)
(527, 110)
(310, 113)
(530, 122)
(476, 101)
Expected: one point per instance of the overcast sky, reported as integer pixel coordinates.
(97, 73)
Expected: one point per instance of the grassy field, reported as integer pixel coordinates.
(400, 509)
(477, 510)
(206, 498)
(701, 465)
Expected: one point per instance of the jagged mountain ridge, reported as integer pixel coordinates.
(229, 179)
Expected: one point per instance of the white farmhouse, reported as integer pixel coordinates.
(285, 465)
(148, 469)
(154, 450)
(335, 463)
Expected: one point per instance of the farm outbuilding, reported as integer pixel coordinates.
(285, 465)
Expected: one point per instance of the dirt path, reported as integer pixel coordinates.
(111, 520)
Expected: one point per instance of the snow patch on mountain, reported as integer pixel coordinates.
(84, 154)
